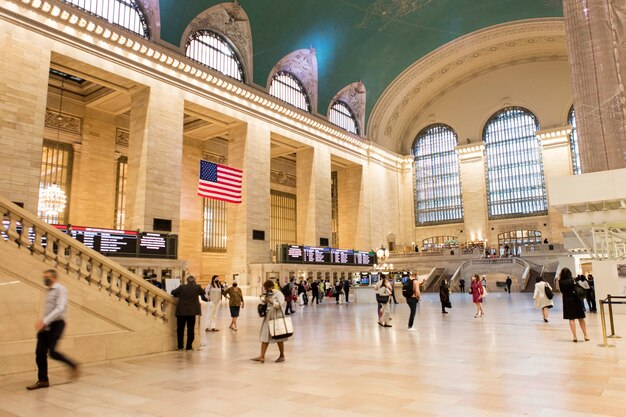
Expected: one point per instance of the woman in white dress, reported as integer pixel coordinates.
(275, 301)
(214, 295)
(541, 299)
(383, 294)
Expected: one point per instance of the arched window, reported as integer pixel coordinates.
(214, 51)
(287, 88)
(515, 181)
(124, 13)
(341, 115)
(437, 180)
(573, 143)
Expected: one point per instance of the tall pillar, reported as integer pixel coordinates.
(597, 54)
(474, 190)
(24, 67)
(313, 176)
(354, 225)
(249, 150)
(155, 157)
(556, 163)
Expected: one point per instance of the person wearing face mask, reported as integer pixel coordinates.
(235, 302)
(50, 329)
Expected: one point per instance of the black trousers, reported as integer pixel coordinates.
(289, 307)
(316, 297)
(46, 345)
(347, 293)
(508, 288)
(462, 288)
(412, 302)
(190, 323)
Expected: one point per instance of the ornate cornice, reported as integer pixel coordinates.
(303, 65)
(554, 136)
(62, 121)
(283, 178)
(214, 157)
(354, 95)
(230, 21)
(457, 62)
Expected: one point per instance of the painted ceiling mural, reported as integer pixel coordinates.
(356, 40)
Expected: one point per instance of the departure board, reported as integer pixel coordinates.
(328, 256)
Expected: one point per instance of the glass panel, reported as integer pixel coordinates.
(287, 88)
(56, 168)
(214, 220)
(573, 144)
(282, 219)
(123, 13)
(120, 192)
(341, 115)
(212, 50)
(437, 181)
(515, 180)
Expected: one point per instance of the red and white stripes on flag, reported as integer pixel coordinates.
(220, 182)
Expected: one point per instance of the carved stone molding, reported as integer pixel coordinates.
(283, 178)
(122, 137)
(230, 21)
(64, 122)
(152, 13)
(354, 95)
(456, 62)
(214, 157)
(303, 65)
(520, 226)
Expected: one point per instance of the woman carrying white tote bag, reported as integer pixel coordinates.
(276, 327)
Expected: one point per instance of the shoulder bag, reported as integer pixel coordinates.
(281, 327)
(548, 291)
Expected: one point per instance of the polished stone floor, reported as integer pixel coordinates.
(341, 363)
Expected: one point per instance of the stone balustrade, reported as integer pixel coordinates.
(28, 232)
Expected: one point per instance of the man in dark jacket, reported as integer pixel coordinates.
(187, 309)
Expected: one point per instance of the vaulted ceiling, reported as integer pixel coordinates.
(369, 40)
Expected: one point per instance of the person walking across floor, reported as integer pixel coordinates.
(274, 300)
(187, 309)
(484, 282)
(315, 292)
(462, 285)
(509, 283)
(591, 294)
(235, 302)
(346, 290)
(214, 296)
(383, 296)
(50, 329)
(543, 297)
(444, 296)
(478, 292)
(338, 290)
(411, 292)
(287, 290)
(572, 303)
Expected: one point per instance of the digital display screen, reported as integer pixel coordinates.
(329, 256)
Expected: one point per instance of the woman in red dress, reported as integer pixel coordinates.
(478, 292)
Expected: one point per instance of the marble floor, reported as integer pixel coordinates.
(341, 363)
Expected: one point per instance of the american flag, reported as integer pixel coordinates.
(220, 182)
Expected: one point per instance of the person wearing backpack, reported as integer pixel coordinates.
(572, 303)
(411, 291)
(287, 291)
(543, 297)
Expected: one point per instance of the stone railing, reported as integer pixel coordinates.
(492, 262)
(28, 232)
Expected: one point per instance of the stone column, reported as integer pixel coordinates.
(474, 188)
(354, 216)
(155, 157)
(313, 176)
(24, 67)
(557, 162)
(597, 54)
(249, 150)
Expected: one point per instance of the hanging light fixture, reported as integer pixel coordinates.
(52, 199)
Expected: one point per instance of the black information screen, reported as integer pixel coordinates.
(329, 256)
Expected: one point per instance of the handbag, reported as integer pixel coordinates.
(262, 309)
(549, 292)
(448, 304)
(382, 299)
(580, 292)
(281, 327)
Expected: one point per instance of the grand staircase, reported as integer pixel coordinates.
(520, 270)
(112, 314)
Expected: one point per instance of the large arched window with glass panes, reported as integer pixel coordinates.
(342, 115)
(437, 179)
(286, 87)
(214, 51)
(123, 13)
(573, 143)
(515, 180)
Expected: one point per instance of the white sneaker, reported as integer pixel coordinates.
(411, 329)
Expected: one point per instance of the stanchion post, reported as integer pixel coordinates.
(612, 335)
(603, 319)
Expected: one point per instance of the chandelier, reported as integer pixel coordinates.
(52, 199)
